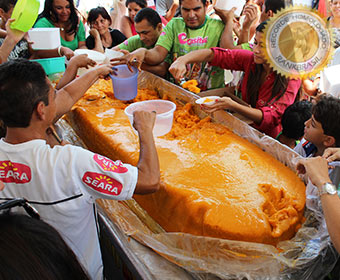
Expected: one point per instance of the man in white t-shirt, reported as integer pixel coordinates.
(63, 182)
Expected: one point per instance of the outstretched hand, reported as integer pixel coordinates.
(104, 70)
(14, 34)
(178, 69)
(315, 168)
(220, 104)
(251, 14)
(135, 59)
(67, 52)
(332, 154)
(226, 15)
(82, 60)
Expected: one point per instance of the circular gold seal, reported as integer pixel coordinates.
(298, 43)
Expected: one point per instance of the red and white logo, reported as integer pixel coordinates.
(110, 165)
(13, 172)
(102, 183)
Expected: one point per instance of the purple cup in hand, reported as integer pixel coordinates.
(124, 82)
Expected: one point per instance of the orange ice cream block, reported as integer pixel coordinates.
(213, 182)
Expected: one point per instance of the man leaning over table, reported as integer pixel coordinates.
(63, 182)
(195, 30)
(148, 25)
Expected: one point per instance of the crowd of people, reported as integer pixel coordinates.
(177, 40)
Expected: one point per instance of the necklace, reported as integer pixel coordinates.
(58, 25)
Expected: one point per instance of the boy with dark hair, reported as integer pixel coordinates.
(322, 130)
(63, 182)
(293, 123)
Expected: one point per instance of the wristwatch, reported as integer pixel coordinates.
(327, 188)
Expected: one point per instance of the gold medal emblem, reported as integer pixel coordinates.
(298, 43)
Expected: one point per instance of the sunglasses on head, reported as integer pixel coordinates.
(30, 210)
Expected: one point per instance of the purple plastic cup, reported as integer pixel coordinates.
(125, 82)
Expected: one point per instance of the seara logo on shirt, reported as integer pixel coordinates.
(110, 165)
(13, 172)
(198, 41)
(102, 183)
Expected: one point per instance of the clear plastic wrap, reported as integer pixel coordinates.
(309, 255)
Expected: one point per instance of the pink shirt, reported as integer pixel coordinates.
(243, 60)
(133, 29)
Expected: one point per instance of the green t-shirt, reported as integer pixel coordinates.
(247, 46)
(179, 40)
(133, 43)
(73, 45)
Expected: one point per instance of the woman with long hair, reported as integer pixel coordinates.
(63, 14)
(267, 92)
(127, 26)
(101, 35)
